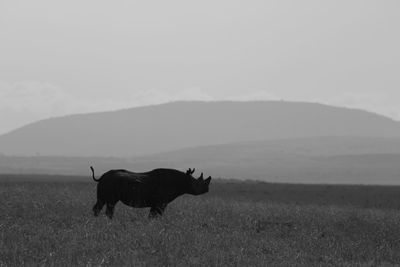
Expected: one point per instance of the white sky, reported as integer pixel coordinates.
(62, 57)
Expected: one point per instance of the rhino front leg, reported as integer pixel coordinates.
(157, 211)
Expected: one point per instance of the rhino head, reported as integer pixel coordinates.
(198, 186)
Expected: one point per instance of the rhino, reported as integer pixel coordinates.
(153, 189)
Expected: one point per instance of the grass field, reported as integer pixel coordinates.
(235, 224)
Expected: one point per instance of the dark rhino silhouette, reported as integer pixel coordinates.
(154, 189)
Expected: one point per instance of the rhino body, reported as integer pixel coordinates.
(153, 189)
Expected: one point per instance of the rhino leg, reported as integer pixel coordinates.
(157, 211)
(97, 207)
(110, 210)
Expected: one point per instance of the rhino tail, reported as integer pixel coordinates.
(94, 178)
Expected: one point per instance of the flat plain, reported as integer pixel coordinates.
(47, 221)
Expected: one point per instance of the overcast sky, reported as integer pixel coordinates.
(62, 57)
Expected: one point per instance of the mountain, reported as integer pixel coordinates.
(160, 128)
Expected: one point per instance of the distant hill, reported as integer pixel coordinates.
(353, 160)
(172, 126)
(57, 165)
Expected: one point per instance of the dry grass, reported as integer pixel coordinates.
(51, 224)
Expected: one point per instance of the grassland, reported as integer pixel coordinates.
(49, 223)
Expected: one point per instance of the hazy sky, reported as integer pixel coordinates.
(61, 57)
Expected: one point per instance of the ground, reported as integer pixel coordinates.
(50, 223)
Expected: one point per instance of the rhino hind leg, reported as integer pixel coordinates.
(97, 207)
(157, 211)
(110, 210)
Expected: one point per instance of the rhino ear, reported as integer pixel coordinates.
(208, 180)
(190, 171)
